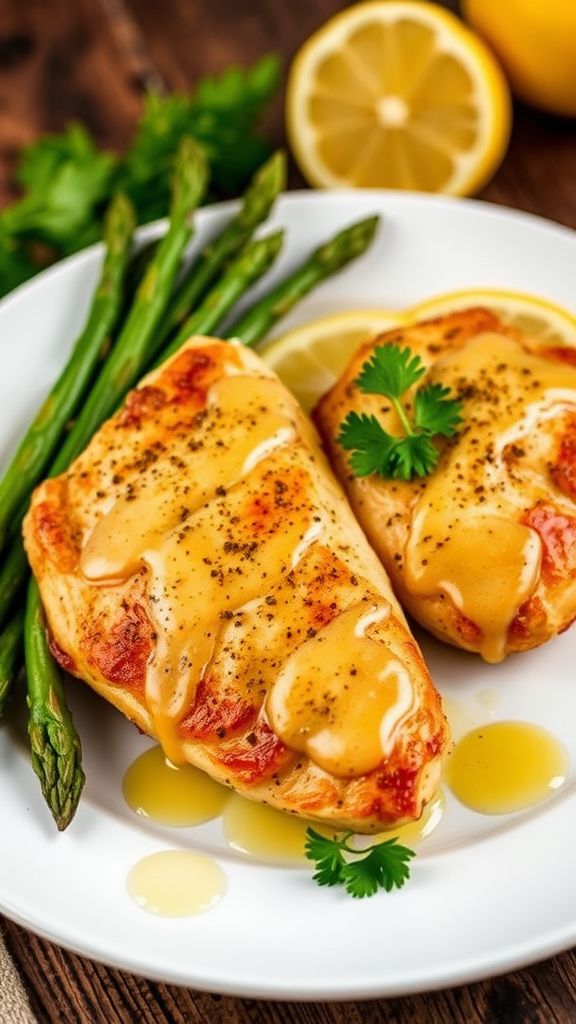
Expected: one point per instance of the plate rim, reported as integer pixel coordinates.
(517, 956)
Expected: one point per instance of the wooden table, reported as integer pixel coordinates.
(91, 60)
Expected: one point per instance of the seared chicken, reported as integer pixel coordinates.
(483, 551)
(201, 569)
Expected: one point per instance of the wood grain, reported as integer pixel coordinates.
(91, 60)
(67, 989)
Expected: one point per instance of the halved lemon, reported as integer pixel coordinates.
(536, 316)
(311, 358)
(397, 94)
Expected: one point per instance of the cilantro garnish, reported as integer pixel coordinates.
(391, 371)
(362, 872)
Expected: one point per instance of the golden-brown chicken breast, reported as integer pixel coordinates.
(201, 569)
(483, 551)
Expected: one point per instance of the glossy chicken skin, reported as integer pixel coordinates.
(483, 551)
(201, 569)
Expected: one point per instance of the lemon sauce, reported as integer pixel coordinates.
(169, 795)
(508, 766)
(176, 883)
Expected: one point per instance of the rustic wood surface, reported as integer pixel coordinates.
(91, 60)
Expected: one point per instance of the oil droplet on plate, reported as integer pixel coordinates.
(157, 789)
(262, 831)
(176, 883)
(414, 831)
(506, 766)
(487, 699)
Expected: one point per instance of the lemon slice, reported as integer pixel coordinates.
(311, 358)
(397, 94)
(535, 316)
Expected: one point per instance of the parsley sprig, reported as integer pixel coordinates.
(362, 872)
(391, 371)
(66, 181)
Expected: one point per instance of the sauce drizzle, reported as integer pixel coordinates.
(506, 766)
(176, 883)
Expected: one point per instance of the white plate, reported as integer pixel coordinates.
(488, 893)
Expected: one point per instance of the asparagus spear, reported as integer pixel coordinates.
(41, 438)
(258, 200)
(55, 745)
(10, 656)
(54, 742)
(346, 246)
(13, 576)
(254, 260)
(137, 267)
(132, 349)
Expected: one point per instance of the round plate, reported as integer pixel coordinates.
(487, 894)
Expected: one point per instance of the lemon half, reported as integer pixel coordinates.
(397, 94)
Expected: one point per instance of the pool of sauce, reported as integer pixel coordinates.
(507, 766)
(171, 795)
(176, 883)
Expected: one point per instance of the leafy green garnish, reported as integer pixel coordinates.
(362, 872)
(67, 181)
(391, 371)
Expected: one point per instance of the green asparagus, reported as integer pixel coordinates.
(41, 438)
(254, 260)
(54, 743)
(258, 200)
(131, 351)
(13, 576)
(137, 267)
(346, 246)
(10, 656)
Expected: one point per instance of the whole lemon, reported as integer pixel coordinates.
(535, 41)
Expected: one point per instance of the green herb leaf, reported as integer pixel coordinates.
(327, 855)
(361, 872)
(372, 447)
(414, 455)
(385, 866)
(67, 181)
(435, 412)
(391, 371)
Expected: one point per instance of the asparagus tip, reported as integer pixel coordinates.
(274, 170)
(57, 760)
(190, 175)
(262, 191)
(348, 244)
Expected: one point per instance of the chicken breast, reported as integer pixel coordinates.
(201, 569)
(483, 551)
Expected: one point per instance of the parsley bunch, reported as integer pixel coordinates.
(392, 371)
(67, 181)
(382, 866)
